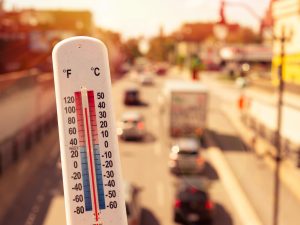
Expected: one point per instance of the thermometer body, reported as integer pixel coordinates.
(88, 142)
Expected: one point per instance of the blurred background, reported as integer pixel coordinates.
(206, 98)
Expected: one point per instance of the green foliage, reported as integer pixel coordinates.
(131, 50)
(160, 48)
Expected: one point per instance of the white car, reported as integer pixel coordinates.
(146, 79)
(131, 126)
(185, 157)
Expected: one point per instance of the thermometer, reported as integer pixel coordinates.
(88, 142)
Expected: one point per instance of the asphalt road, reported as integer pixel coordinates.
(32, 190)
(145, 163)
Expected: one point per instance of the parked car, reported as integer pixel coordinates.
(131, 126)
(132, 203)
(185, 156)
(132, 96)
(146, 79)
(192, 203)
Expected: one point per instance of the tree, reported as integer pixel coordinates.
(161, 48)
(131, 50)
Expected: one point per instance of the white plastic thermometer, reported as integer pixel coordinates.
(88, 141)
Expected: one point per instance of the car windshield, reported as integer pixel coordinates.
(188, 153)
(131, 121)
(132, 93)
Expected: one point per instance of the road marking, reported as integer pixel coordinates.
(35, 209)
(31, 218)
(160, 194)
(238, 198)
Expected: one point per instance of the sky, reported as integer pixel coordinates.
(134, 18)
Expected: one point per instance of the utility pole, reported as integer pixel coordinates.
(283, 39)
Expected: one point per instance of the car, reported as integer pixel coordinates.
(146, 79)
(132, 203)
(132, 96)
(131, 126)
(161, 69)
(192, 203)
(185, 157)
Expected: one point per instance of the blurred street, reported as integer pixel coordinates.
(35, 182)
(206, 111)
(144, 164)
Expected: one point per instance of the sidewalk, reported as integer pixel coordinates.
(289, 174)
(262, 107)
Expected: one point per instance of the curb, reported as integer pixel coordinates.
(239, 200)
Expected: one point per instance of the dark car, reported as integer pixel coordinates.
(132, 96)
(193, 204)
(161, 69)
(132, 203)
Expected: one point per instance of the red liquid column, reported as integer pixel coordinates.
(96, 149)
(83, 152)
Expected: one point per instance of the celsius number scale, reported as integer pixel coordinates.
(88, 142)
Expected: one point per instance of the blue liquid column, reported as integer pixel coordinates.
(83, 153)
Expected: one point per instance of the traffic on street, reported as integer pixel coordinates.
(111, 114)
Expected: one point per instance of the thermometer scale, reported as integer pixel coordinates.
(88, 142)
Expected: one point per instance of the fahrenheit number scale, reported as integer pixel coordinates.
(89, 149)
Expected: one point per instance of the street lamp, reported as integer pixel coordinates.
(283, 39)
